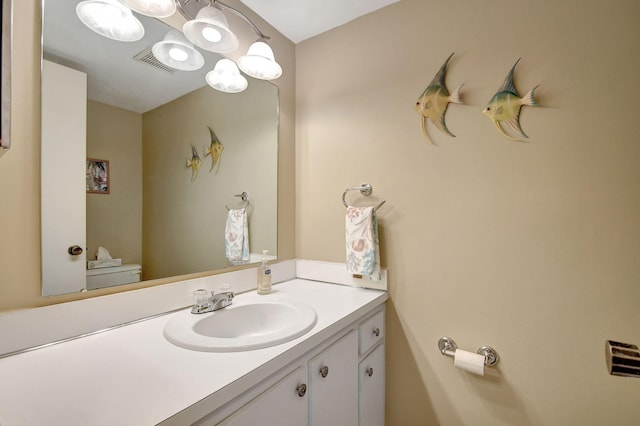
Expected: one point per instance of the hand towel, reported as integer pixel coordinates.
(236, 236)
(363, 250)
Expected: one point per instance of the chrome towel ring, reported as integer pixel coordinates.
(245, 198)
(365, 189)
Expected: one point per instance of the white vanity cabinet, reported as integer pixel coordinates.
(159, 383)
(341, 382)
(283, 404)
(333, 382)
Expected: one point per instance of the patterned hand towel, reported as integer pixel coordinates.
(236, 236)
(363, 251)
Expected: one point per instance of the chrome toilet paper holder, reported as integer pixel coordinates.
(448, 347)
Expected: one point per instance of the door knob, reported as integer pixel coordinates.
(75, 250)
(301, 389)
(324, 371)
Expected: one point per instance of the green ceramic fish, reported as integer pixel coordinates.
(215, 150)
(433, 102)
(504, 107)
(194, 163)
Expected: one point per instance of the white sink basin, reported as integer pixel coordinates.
(245, 325)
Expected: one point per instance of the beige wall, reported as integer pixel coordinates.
(114, 221)
(19, 167)
(531, 248)
(185, 216)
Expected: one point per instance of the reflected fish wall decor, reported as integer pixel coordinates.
(215, 150)
(433, 102)
(195, 163)
(504, 107)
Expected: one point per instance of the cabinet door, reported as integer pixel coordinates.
(284, 404)
(371, 373)
(334, 384)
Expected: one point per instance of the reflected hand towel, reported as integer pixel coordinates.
(236, 236)
(363, 251)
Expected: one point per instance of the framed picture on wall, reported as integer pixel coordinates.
(97, 176)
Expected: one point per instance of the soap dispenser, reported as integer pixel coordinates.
(264, 275)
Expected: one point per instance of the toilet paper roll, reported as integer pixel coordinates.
(468, 361)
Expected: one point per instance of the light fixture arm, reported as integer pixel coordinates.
(243, 16)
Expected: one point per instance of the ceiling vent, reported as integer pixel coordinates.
(147, 57)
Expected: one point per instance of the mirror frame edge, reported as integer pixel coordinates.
(7, 48)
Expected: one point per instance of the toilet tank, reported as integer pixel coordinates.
(115, 275)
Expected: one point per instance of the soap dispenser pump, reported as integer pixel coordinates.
(264, 275)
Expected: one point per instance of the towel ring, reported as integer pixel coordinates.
(365, 189)
(245, 197)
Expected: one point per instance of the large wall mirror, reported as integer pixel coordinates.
(119, 134)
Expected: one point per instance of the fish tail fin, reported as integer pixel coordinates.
(423, 127)
(504, 133)
(529, 98)
(455, 96)
(514, 124)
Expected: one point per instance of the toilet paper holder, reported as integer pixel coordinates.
(448, 347)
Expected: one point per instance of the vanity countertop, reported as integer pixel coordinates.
(132, 376)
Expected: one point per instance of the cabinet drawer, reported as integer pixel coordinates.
(371, 378)
(371, 331)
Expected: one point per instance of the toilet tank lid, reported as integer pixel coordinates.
(113, 269)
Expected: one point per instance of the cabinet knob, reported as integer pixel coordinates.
(324, 371)
(75, 250)
(369, 371)
(376, 331)
(301, 389)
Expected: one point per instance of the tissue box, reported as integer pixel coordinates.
(104, 263)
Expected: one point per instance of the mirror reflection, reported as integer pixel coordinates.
(141, 165)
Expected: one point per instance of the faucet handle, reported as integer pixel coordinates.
(201, 297)
(224, 288)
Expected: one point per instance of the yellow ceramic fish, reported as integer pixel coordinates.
(215, 150)
(194, 163)
(433, 102)
(504, 107)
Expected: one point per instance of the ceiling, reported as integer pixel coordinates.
(299, 20)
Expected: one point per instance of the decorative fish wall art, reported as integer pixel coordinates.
(215, 150)
(504, 107)
(433, 102)
(195, 163)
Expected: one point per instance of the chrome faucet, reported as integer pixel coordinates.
(215, 302)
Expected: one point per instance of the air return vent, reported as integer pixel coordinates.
(147, 57)
(623, 359)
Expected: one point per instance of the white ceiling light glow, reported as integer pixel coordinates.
(210, 31)
(153, 8)
(175, 51)
(110, 19)
(259, 62)
(206, 27)
(226, 77)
